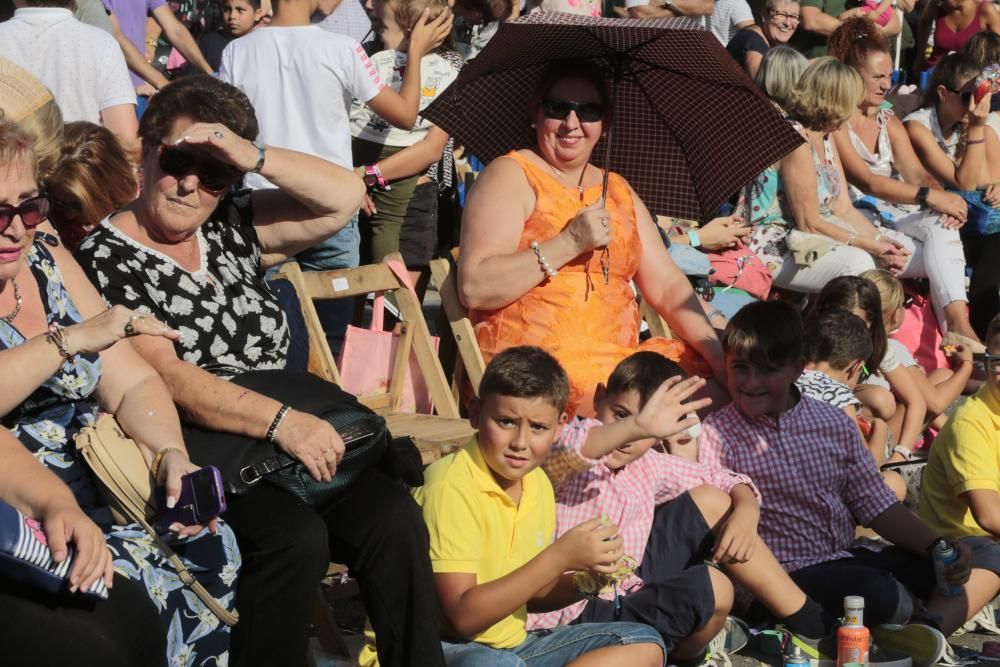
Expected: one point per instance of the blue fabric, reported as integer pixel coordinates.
(983, 218)
(298, 344)
(552, 648)
(46, 424)
(340, 251)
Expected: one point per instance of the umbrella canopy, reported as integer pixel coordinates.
(690, 128)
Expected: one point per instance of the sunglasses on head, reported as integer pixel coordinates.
(212, 176)
(32, 211)
(586, 112)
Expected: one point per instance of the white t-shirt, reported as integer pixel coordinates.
(726, 15)
(300, 81)
(436, 74)
(82, 65)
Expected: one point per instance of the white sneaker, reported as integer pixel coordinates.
(924, 644)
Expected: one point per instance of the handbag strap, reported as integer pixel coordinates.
(255, 472)
(133, 506)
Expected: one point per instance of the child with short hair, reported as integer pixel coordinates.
(837, 344)
(942, 386)
(239, 18)
(816, 480)
(887, 392)
(674, 514)
(959, 496)
(491, 517)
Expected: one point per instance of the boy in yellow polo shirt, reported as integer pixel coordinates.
(960, 494)
(491, 514)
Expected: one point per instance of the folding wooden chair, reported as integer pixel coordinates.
(436, 434)
(469, 364)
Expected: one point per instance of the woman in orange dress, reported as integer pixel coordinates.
(544, 261)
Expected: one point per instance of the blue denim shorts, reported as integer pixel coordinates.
(340, 251)
(552, 648)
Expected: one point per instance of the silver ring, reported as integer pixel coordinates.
(130, 329)
(604, 223)
(217, 134)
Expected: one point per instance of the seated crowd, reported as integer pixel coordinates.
(817, 426)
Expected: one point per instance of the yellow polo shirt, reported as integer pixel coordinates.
(476, 528)
(965, 456)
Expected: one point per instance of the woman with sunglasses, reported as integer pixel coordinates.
(957, 147)
(63, 363)
(776, 26)
(194, 253)
(544, 261)
(892, 189)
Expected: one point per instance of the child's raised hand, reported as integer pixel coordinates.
(957, 353)
(666, 412)
(737, 538)
(590, 546)
(429, 33)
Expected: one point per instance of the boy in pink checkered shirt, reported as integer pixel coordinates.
(817, 482)
(673, 514)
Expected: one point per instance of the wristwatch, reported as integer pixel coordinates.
(373, 178)
(922, 193)
(261, 154)
(693, 238)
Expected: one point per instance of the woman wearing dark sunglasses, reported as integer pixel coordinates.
(194, 252)
(958, 148)
(544, 261)
(63, 363)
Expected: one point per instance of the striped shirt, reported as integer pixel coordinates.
(817, 479)
(587, 488)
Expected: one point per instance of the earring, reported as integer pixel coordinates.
(532, 126)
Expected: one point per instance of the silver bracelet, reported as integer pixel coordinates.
(542, 262)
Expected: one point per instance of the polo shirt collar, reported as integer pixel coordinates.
(487, 482)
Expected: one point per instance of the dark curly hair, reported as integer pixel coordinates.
(855, 41)
(202, 99)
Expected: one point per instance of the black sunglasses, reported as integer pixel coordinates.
(586, 112)
(212, 176)
(966, 95)
(991, 362)
(32, 211)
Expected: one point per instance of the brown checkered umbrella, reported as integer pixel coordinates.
(690, 127)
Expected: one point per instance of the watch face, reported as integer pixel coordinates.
(371, 181)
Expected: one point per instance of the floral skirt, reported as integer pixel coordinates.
(195, 636)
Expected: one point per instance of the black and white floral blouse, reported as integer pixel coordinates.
(230, 322)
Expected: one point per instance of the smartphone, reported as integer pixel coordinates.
(202, 499)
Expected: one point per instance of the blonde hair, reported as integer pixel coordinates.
(94, 173)
(827, 95)
(890, 290)
(45, 127)
(779, 73)
(407, 12)
(16, 145)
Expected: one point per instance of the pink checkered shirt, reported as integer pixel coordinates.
(816, 477)
(586, 488)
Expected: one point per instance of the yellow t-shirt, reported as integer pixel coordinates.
(965, 456)
(476, 528)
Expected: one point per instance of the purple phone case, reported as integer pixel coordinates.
(193, 508)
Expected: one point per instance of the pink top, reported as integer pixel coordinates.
(587, 488)
(815, 475)
(947, 40)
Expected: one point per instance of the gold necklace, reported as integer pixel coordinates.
(18, 301)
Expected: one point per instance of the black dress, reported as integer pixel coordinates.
(746, 39)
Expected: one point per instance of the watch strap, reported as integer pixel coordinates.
(922, 193)
(261, 155)
(693, 238)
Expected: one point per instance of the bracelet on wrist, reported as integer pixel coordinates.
(374, 180)
(851, 237)
(542, 262)
(272, 430)
(59, 337)
(974, 142)
(154, 467)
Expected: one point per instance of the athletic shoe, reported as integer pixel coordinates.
(924, 644)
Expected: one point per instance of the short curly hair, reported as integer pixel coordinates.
(202, 99)
(827, 95)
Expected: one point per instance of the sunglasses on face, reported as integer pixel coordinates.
(212, 176)
(966, 95)
(992, 363)
(33, 212)
(586, 112)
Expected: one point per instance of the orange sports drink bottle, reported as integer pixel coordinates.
(853, 638)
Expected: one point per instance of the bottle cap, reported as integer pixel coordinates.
(854, 602)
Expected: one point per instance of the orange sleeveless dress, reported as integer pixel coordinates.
(586, 325)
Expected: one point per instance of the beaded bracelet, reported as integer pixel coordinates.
(272, 430)
(971, 142)
(542, 262)
(58, 337)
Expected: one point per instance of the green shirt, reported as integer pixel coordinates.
(812, 44)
